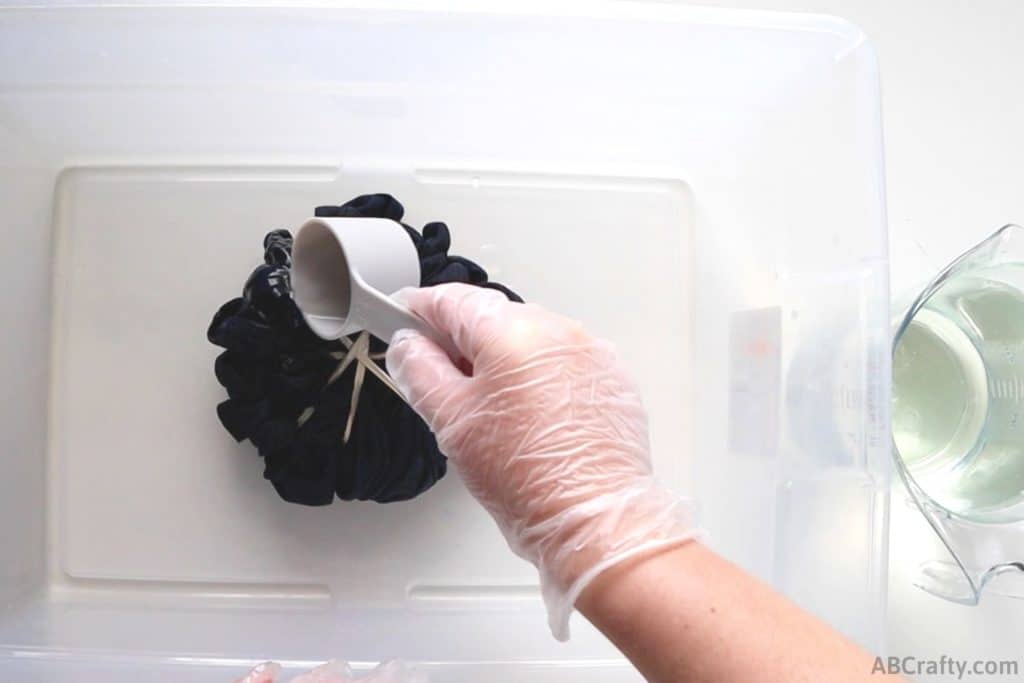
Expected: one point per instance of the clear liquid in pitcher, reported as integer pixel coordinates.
(958, 395)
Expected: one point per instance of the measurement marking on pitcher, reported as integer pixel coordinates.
(1011, 388)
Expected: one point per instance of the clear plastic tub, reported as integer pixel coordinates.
(703, 187)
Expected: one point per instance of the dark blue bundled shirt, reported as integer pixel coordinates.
(277, 372)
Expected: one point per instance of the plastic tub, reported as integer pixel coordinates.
(703, 187)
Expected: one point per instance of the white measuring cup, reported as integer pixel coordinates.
(344, 271)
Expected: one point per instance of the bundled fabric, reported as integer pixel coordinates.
(323, 414)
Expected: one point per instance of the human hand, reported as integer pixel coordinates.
(546, 430)
(337, 672)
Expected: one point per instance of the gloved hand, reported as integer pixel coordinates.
(547, 432)
(337, 672)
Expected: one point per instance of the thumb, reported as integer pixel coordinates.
(425, 375)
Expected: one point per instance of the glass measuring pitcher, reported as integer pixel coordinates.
(958, 416)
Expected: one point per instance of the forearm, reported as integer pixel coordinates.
(549, 433)
(687, 614)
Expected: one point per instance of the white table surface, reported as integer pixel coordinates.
(953, 111)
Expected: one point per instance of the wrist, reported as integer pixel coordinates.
(614, 591)
(572, 548)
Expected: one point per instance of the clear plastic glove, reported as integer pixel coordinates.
(337, 672)
(547, 432)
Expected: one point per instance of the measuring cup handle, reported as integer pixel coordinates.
(390, 316)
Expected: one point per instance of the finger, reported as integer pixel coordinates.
(469, 315)
(267, 672)
(394, 672)
(425, 375)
